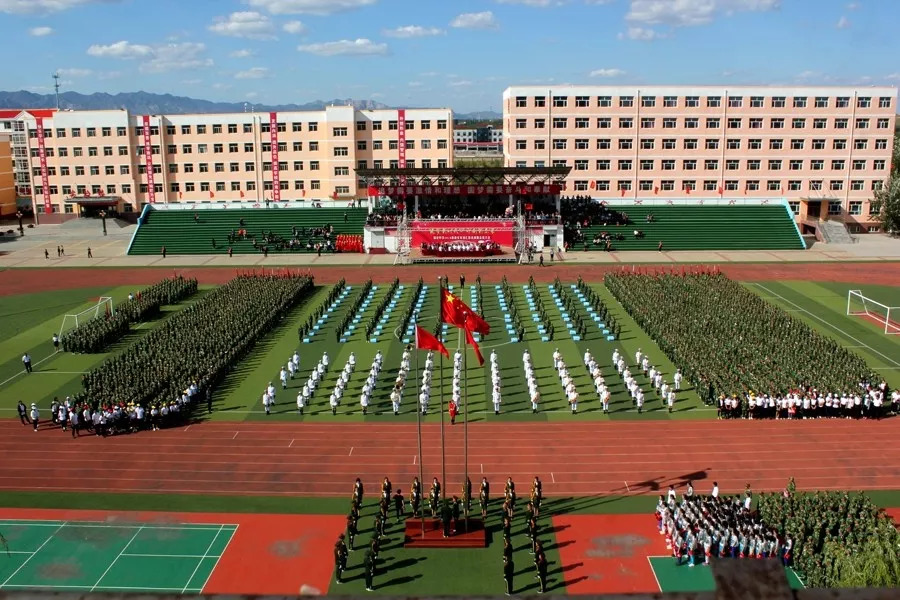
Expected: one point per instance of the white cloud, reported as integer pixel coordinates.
(74, 72)
(109, 75)
(429, 74)
(44, 6)
(156, 59)
(412, 31)
(684, 13)
(252, 73)
(460, 83)
(40, 31)
(606, 73)
(892, 77)
(295, 27)
(479, 20)
(414, 84)
(357, 47)
(122, 49)
(244, 24)
(843, 23)
(853, 6)
(243, 53)
(538, 3)
(644, 34)
(251, 95)
(221, 86)
(308, 7)
(191, 81)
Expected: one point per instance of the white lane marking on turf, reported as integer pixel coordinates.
(200, 562)
(25, 562)
(351, 451)
(23, 372)
(118, 556)
(833, 326)
(215, 566)
(655, 578)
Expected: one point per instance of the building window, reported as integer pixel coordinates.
(841, 123)
(623, 184)
(878, 165)
(646, 165)
(647, 144)
(883, 123)
(837, 165)
(884, 102)
(777, 123)
(521, 101)
(581, 165)
(582, 101)
(778, 101)
(602, 165)
(752, 185)
(540, 144)
(624, 165)
(735, 101)
(709, 185)
(794, 185)
(626, 101)
(668, 144)
(667, 185)
(713, 101)
(818, 144)
(648, 101)
(560, 101)
(773, 185)
(881, 144)
(560, 122)
(670, 101)
(774, 164)
(559, 144)
(688, 185)
(604, 143)
(712, 123)
(604, 122)
(795, 165)
(836, 185)
(521, 144)
(711, 164)
(668, 122)
(798, 123)
(689, 165)
(733, 144)
(580, 144)
(626, 123)
(834, 207)
(755, 144)
(864, 102)
(604, 101)
(857, 185)
(794, 205)
(855, 208)
(859, 165)
(756, 101)
(668, 165)
(602, 185)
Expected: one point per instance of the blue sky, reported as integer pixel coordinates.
(459, 53)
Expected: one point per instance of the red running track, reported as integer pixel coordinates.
(571, 458)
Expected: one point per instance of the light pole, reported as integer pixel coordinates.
(103, 220)
(19, 216)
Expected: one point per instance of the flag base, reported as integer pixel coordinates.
(476, 537)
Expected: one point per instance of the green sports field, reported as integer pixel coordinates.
(32, 319)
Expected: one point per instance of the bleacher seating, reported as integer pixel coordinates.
(177, 231)
(766, 227)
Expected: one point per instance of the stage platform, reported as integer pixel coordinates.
(416, 257)
(476, 537)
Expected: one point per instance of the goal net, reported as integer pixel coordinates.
(104, 305)
(887, 317)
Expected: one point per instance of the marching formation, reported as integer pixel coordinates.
(565, 379)
(447, 511)
(702, 527)
(534, 393)
(869, 402)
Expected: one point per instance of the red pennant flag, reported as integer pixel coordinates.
(372, 191)
(471, 341)
(593, 184)
(211, 194)
(334, 195)
(456, 312)
(720, 190)
(426, 341)
(622, 192)
(656, 190)
(687, 190)
(180, 195)
(242, 193)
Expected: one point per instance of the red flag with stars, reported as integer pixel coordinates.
(456, 312)
(471, 341)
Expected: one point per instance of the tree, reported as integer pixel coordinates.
(886, 205)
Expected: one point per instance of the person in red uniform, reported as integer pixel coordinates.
(453, 412)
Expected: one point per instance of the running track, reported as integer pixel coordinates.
(571, 458)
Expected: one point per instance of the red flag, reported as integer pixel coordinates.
(456, 312)
(687, 190)
(426, 341)
(593, 184)
(372, 191)
(720, 190)
(471, 340)
(622, 192)
(656, 190)
(242, 193)
(334, 195)
(180, 195)
(211, 194)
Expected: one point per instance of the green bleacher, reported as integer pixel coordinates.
(177, 231)
(766, 227)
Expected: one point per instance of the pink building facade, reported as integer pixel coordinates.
(124, 160)
(826, 150)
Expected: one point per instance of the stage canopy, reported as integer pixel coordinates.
(465, 176)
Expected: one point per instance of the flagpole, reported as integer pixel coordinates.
(443, 452)
(465, 420)
(419, 431)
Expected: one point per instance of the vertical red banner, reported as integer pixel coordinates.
(148, 162)
(42, 154)
(276, 175)
(401, 143)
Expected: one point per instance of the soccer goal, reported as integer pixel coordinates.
(104, 306)
(885, 316)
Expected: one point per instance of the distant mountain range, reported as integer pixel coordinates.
(143, 103)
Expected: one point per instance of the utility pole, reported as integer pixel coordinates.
(56, 87)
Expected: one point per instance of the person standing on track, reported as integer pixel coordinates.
(509, 569)
(340, 558)
(484, 496)
(73, 421)
(23, 413)
(35, 415)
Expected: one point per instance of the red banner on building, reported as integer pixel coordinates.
(42, 154)
(466, 190)
(401, 142)
(148, 162)
(443, 232)
(273, 139)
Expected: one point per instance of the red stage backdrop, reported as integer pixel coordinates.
(441, 232)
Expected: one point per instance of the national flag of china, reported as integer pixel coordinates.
(470, 339)
(456, 312)
(426, 341)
